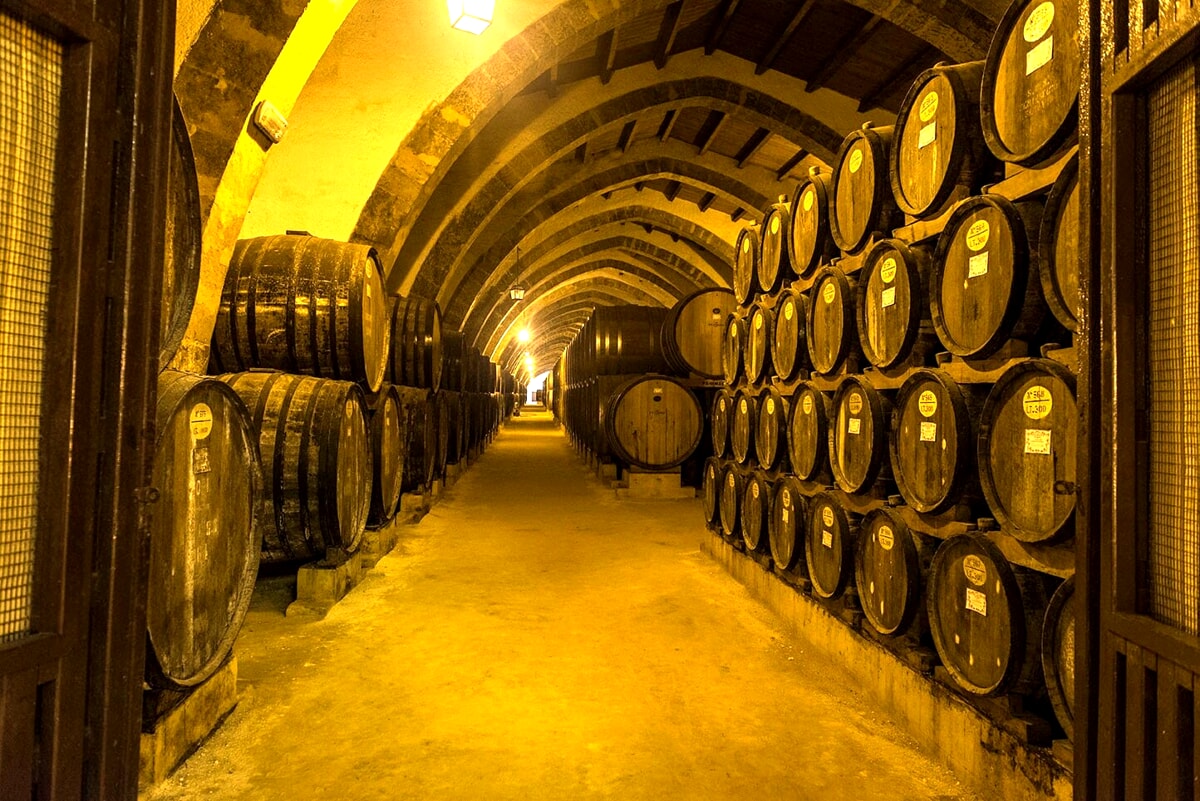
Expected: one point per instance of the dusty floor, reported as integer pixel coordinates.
(536, 638)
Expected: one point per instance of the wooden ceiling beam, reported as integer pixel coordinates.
(712, 126)
(901, 78)
(553, 80)
(845, 50)
(725, 17)
(738, 214)
(581, 153)
(606, 54)
(706, 201)
(785, 36)
(753, 145)
(673, 189)
(791, 164)
(668, 124)
(626, 138)
(667, 33)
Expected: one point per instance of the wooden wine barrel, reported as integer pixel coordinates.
(693, 333)
(859, 441)
(441, 439)
(456, 440)
(984, 288)
(986, 617)
(304, 305)
(894, 327)
(454, 351)
(808, 432)
(830, 332)
(1058, 248)
(722, 414)
(654, 422)
(788, 348)
(420, 447)
(1058, 654)
(733, 489)
(1027, 450)
(181, 255)
(713, 474)
(890, 565)
(316, 457)
(774, 264)
(756, 505)
(387, 455)
(938, 153)
(933, 441)
(811, 241)
(829, 546)
(771, 430)
(206, 530)
(760, 329)
(741, 431)
(1030, 90)
(745, 264)
(626, 340)
(731, 353)
(416, 359)
(862, 196)
(787, 526)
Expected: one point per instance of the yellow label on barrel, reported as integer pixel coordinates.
(731, 481)
(774, 223)
(856, 160)
(1038, 22)
(855, 403)
(977, 235)
(827, 516)
(807, 404)
(770, 406)
(927, 403)
(201, 421)
(758, 321)
(975, 570)
(886, 537)
(888, 271)
(789, 310)
(754, 490)
(744, 407)
(787, 501)
(745, 244)
(1037, 402)
(808, 199)
(829, 292)
(722, 405)
(929, 106)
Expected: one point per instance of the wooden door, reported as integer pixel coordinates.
(1140, 650)
(84, 104)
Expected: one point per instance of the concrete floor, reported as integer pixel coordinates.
(536, 638)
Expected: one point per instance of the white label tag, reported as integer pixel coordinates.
(1039, 55)
(928, 431)
(1037, 441)
(928, 135)
(827, 539)
(977, 265)
(889, 297)
(976, 601)
(854, 426)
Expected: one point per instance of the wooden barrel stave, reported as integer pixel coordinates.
(862, 196)
(894, 326)
(759, 329)
(417, 343)
(746, 250)
(693, 333)
(719, 422)
(808, 432)
(890, 566)
(741, 432)
(1058, 654)
(774, 264)
(711, 495)
(756, 505)
(787, 526)
(810, 243)
(654, 422)
(858, 440)
(831, 335)
(181, 256)
(1058, 248)
(732, 358)
(733, 488)
(387, 452)
(417, 413)
(625, 340)
(789, 350)
(770, 430)
(829, 546)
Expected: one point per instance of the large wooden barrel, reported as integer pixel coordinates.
(387, 454)
(654, 422)
(304, 305)
(894, 326)
(420, 446)
(205, 534)
(441, 437)
(733, 489)
(830, 545)
(830, 334)
(1030, 89)
(787, 525)
(1058, 654)
(1027, 450)
(316, 457)
(1058, 248)
(720, 420)
(771, 430)
(984, 288)
(416, 359)
(808, 432)
(774, 264)
(733, 349)
(756, 505)
(890, 565)
(760, 328)
(456, 439)
(811, 241)
(626, 340)
(693, 333)
(938, 153)
(862, 196)
(933, 441)
(788, 348)
(986, 617)
(453, 352)
(746, 251)
(859, 441)
(711, 495)
(741, 431)
(181, 256)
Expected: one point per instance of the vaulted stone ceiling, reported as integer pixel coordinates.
(593, 152)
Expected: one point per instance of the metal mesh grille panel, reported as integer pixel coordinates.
(30, 91)
(1173, 344)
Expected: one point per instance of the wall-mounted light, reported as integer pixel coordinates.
(472, 16)
(517, 293)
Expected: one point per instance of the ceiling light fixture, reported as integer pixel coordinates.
(472, 16)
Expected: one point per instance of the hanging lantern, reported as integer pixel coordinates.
(472, 16)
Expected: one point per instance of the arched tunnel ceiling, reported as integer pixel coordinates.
(606, 153)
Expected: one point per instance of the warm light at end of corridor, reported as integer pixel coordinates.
(524, 336)
(472, 16)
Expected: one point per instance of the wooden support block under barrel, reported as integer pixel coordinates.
(319, 586)
(169, 737)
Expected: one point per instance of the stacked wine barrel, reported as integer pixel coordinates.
(899, 374)
(472, 385)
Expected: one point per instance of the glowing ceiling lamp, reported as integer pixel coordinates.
(517, 293)
(472, 16)
(524, 335)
